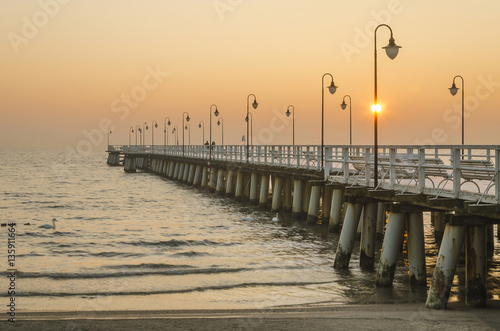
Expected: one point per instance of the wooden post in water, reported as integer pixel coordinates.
(390, 249)
(347, 235)
(446, 264)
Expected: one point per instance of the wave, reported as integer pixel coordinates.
(176, 291)
(178, 243)
(131, 273)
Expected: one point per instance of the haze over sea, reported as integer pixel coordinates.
(139, 241)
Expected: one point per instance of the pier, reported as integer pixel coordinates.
(459, 185)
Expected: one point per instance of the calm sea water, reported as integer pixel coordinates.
(138, 241)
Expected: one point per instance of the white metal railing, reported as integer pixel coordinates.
(466, 172)
(469, 172)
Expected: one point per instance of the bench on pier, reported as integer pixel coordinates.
(477, 170)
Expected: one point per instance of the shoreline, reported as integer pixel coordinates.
(341, 317)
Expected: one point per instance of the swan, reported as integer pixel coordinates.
(277, 218)
(48, 226)
(248, 218)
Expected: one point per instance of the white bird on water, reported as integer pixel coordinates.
(48, 226)
(277, 218)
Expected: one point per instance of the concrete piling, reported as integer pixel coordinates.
(297, 199)
(197, 176)
(315, 196)
(335, 221)
(277, 194)
(220, 187)
(287, 199)
(380, 220)
(390, 249)
(476, 266)
(446, 264)
(254, 193)
(264, 190)
(416, 249)
(347, 235)
(230, 183)
(190, 178)
(368, 236)
(240, 186)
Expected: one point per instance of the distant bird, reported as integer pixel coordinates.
(48, 226)
(277, 218)
(247, 219)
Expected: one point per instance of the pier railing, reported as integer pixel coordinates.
(467, 172)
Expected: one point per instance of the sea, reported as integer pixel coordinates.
(137, 241)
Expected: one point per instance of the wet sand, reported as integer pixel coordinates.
(345, 317)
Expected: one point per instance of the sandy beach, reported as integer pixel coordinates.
(345, 317)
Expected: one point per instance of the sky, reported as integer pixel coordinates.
(71, 70)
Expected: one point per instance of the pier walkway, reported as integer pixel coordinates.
(459, 185)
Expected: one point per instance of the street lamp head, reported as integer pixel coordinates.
(376, 108)
(147, 128)
(186, 127)
(199, 125)
(392, 49)
(246, 119)
(332, 88)
(168, 123)
(187, 118)
(218, 122)
(453, 89)
(156, 125)
(255, 104)
(132, 130)
(343, 105)
(216, 112)
(287, 113)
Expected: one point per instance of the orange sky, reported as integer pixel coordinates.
(67, 65)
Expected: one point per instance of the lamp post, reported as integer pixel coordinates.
(332, 88)
(145, 125)
(154, 125)
(202, 125)
(109, 132)
(251, 126)
(129, 132)
(176, 131)
(343, 106)
(392, 51)
(293, 122)
(254, 105)
(216, 113)
(453, 90)
(188, 129)
(219, 122)
(165, 136)
(138, 130)
(187, 119)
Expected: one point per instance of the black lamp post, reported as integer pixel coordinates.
(332, 88)
(145, 125)
(293, 122)
(154, 125)
(165, 136)
(344, 105)
(392, 51)
(453, 90)
(187, 119)
(129, 132)
(254, 105)
(202, 125)
(219, 122)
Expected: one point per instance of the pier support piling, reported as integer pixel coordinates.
(476, 266)
(347, 235)
(390, 249)
(336, 210)
(446, 264)
(297, 199)
(277, 194)
(368, 236)
(254, 193)
(287, 200)
(264, 191)
(416, 249)
(312, 212)
(240, 186)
